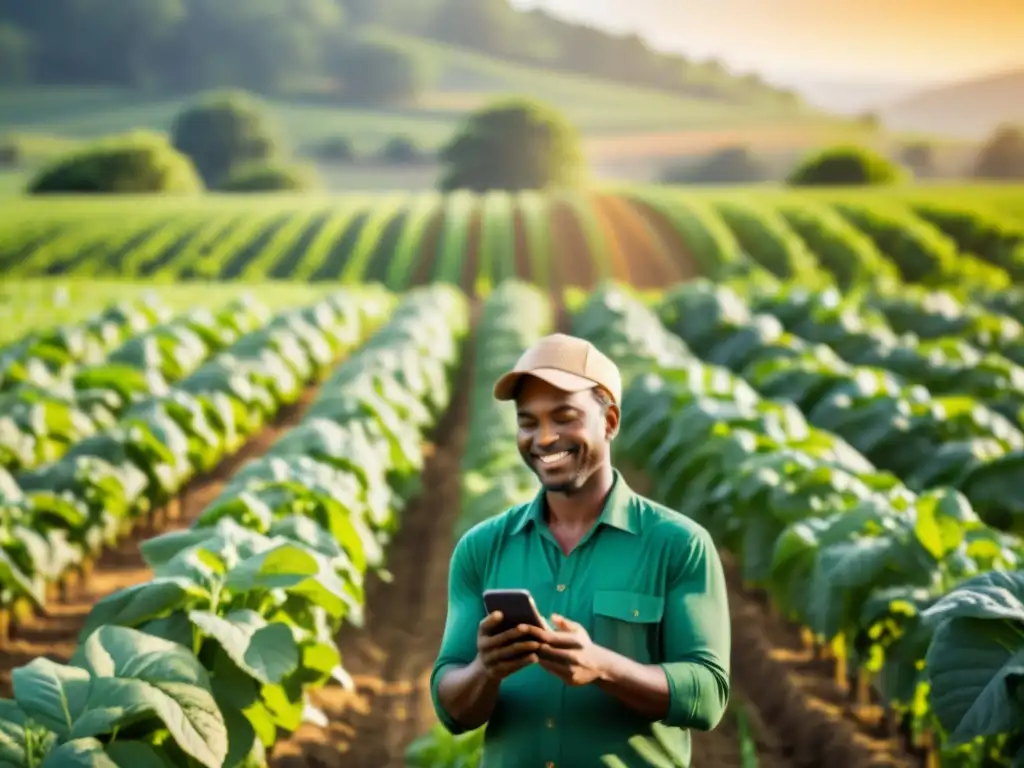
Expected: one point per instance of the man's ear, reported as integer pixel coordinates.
(611, 421)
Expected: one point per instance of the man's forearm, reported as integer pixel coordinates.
(468, 694)
(641, 687)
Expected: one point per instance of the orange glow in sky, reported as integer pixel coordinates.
(899, 39)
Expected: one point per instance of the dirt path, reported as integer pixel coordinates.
(521, 249)
(797, 695)
(474, 243)
(673, 244)
(430, 243)
(54, 633)
(391, 657)
(641, 256)
(573, 263)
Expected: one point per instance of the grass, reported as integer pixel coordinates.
(27, 305)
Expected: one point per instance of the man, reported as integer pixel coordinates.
(639, 621)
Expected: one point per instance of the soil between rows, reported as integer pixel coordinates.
(390, 658)
(53, 634)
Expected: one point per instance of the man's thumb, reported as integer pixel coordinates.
(563, 622)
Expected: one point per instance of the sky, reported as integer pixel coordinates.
(895, 41)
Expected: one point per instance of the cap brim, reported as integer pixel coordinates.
(505, 387)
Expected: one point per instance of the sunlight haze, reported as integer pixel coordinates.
(906, 42)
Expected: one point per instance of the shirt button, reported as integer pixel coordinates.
(561, 587)
(550, 765)
(636, 613)
(551, 723)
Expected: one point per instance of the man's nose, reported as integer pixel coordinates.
(547, 435)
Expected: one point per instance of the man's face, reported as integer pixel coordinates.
(563, 437)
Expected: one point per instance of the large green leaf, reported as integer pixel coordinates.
(137, 674)
(267, 651)
(139, 603)
(976, 659)
(297, 570)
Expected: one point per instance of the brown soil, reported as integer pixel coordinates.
(53, 634)
(471, 261)
(390, 658)
(521, 249)
(645, 258)
(572, 261)
(616, 241)
(686, 267)
(796, 693)
(424, 266)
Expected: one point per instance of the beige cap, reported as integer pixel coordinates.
(566, 362)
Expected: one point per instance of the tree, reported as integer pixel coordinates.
(920, 158)
(333, 149)
(400, 150)
(1002, 156)
(846, 166)
(377, 73)
(513, 144)
(730, 165)
(271, 177)
(223, 131)
(483, 25)
(134, 163)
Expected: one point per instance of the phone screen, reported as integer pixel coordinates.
(516, 605)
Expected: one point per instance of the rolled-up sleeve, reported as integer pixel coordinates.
(697, 638)
(465, 612)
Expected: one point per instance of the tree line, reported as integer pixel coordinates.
(292, 45)
(229, 141)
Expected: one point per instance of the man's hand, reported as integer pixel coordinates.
(501, 655)
(569, 653)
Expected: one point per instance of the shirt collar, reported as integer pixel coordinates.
(619, 510)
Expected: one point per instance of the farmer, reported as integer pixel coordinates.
(633, 593)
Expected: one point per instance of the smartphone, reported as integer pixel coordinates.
(516, 606)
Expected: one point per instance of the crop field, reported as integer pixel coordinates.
(644, 236)
(240, 436)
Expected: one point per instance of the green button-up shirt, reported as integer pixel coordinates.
(645, 582)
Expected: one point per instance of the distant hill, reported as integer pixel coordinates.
(850, 96)
(969, 109)
(461, 80)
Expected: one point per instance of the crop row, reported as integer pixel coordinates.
(862, 241)
(57, 517)
(203, 664)
(910, 590)
(869, 390)
(397, 240)
(41, 355)
(644, 235)
(50, 402)
(493, 476)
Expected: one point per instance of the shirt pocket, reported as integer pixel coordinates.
(628, 623)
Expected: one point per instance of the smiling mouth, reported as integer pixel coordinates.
(554, 459)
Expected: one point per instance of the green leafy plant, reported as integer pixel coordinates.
(204, 664)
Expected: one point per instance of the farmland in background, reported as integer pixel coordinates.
(240, 434)
(645, 236)
(209, 377)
